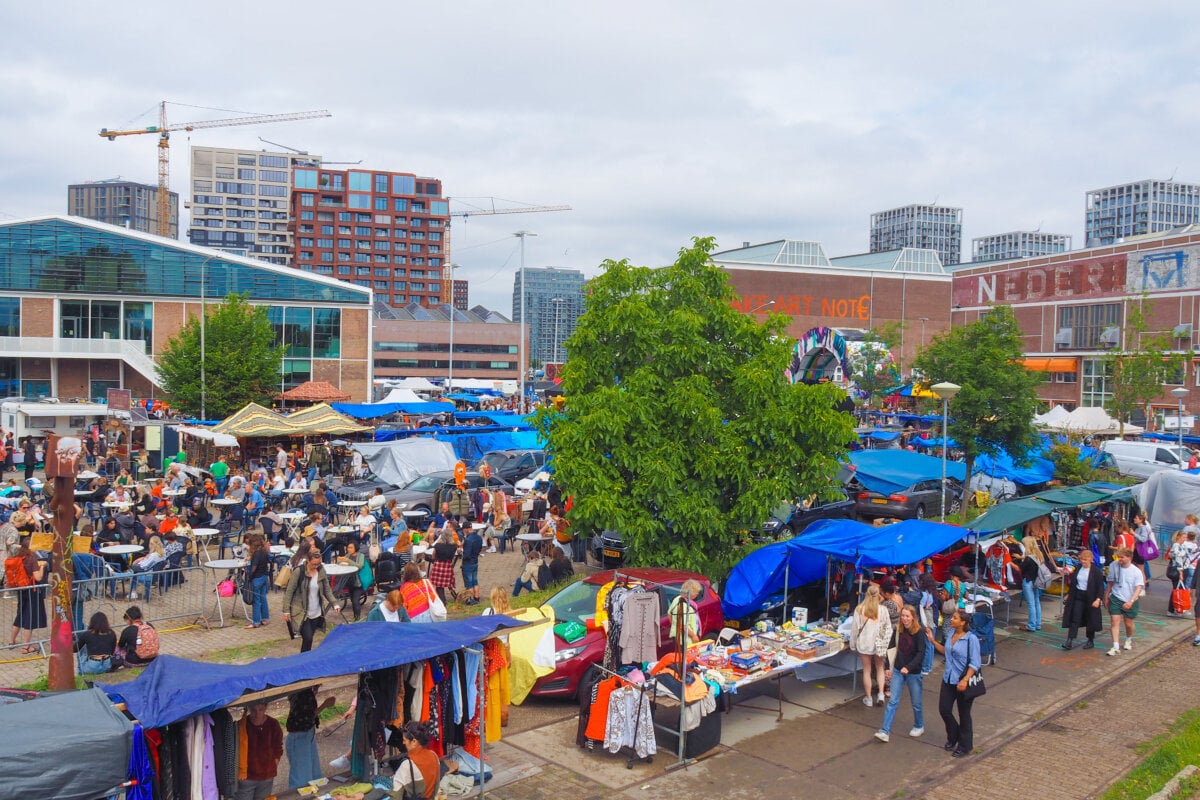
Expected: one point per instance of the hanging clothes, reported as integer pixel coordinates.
(640, 630)
(225, 742)
(140, 770)
(630, 722)
(598, 714)
(496, 669)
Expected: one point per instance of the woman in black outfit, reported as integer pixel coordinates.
(96, 646)
(1085, 594)
(258, 569)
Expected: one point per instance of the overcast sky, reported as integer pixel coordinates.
(656, 121)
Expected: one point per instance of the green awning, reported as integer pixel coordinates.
(1075, 496)
(1012, 514)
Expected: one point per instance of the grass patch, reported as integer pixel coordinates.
(242, 653)
(335, 711)
(1166, 755)
(42, 683)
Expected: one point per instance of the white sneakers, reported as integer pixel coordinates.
(1129, 644)
(881, 736)
(915, 732)
(868, 702)
(340, 763)
(1115, 650)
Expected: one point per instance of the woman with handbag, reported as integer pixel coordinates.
(421, 600)
(307, 599)
(1144, 546)
(871, 634)
(962, 665)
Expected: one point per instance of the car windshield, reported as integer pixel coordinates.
(425, 483)
(494, 460)
(782, 512)
(575, 602)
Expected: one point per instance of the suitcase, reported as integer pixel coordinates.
(984, 627)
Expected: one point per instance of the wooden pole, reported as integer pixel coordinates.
(62, 459)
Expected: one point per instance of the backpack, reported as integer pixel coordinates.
(15, 574)
(544, 576)
(147, 642)
(1044, 577)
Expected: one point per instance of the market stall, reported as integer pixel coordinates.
(203, 446)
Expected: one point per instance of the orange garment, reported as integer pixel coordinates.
(598, 717)
(243, 747)
(498, 697)
(167, 525)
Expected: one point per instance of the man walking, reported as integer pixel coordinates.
(1126, 583)
(220, 473)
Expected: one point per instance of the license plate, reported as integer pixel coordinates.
(613, 553)
(880, 500)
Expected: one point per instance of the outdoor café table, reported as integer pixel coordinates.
(230, 564)
(837, 663)
(294, 495)
(204, 534)
(224, 503)
(535, 540)
(293, 519)
(174, 492)
(122, 550)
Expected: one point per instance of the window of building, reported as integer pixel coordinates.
(403, 184)
(417, 287)
(306, 255)
(417, 223)
(327, 256)
(362, 258)
(272, 161)
(382, 219)
(399, 284)
(327, 333)
(399, 259)
(383, 244)
(306, 215)
(344, 216)
(381, 258)
(343, 270)
(1096, 386)
(381, 286)
(323, 270)
(307, 199)
(1087, 323)
(275, 176)
(400, 299)
(306, 179)
(224, 172)
(356, 200)
(343, 256)
(271, 190)
(344, 243)
(245, 161)
(381, 184)
(297, 331)
(246, 175)
(10, 317)
(360, 181)
(414, 248)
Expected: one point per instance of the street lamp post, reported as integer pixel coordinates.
(1179, 393)
(946, 391)
(450, 368)
(522, 349)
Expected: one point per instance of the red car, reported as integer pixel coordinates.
(578, 602)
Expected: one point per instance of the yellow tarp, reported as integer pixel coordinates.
(527, 663)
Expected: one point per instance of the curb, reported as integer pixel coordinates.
(1168, 791)
(1053, 711)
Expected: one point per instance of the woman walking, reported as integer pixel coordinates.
(442, 572)
(905, 673)
(1082, 607)
(871, 633)
(962, 661)
(307, 599)
(258, 569)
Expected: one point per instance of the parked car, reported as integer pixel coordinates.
(608, 549)
(513, 464)
(577, 601)
(920, 500)
(363, 488)
(425, 493)
(790, 519)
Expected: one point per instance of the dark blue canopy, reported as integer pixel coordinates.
(803, 559)
(374, 410)
(888, 471)
(174, 688)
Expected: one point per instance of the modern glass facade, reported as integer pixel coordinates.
(63, 256)
(1018, 244)
(1134, 209)
(553, 305)
(923, 227)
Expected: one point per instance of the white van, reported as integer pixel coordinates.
(1141, 459)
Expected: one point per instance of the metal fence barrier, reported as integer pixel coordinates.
(168, 596)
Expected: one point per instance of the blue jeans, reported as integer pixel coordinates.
(312, 475)
(470, 573)
(519, 585)
(1033, 599)
(914, 683)
(90, 666)
(927, 664)
(259, 610)
(304, 764)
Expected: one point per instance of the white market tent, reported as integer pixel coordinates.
(1095, 421)
(1052, 418)
(401, 396)
(414, 384)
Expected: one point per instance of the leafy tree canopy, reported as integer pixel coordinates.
(241, 360)
(680, 429)
(994, 410)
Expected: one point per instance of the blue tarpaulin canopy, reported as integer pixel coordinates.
(174, 688)
(463, 398)
(375, 410)
(890, 471)
(878, 435)
(803, 559)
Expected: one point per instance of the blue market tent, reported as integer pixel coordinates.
(174, 688)
(459, 397)
(803, 559)
(879, 435)
(890, 471)
(375, 410)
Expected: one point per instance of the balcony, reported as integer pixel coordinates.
(131, 352)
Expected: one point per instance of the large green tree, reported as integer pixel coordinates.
(241, 360)
(1138, 370)
(680, 428)
(994, 410)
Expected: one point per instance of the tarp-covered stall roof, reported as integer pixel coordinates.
(253, 421)
(376, 410)
(890, 471)
(403, 461)
(803, 559)
(70, 746)
(322, 420)
(174, 688)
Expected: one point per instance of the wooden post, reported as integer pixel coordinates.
(62, 461)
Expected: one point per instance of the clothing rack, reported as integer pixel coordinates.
(681, 654)
(647, 690)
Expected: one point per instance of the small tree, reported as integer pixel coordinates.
(1138, 370)
(874, 369)
(995, 407)
(680, 429)
(241, 360)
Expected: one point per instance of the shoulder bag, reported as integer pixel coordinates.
(1148, 549)
(975, 686)
(437, 609)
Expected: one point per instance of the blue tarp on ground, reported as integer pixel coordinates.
(375, 410)
(890, 471)
(803, 559)
(174, 688)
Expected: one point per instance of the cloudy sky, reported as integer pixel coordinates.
(656, 121)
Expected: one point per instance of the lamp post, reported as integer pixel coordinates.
(522, 350)
(450, 368)
(1179, 393)
(946, 391)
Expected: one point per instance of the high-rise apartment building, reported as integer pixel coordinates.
(381, 230)
(1018, 244)
(240, 201)
(122, 203)
(1135, 209)
(553, 304)
(922, 227)
(460, 296)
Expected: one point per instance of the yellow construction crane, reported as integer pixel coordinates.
(448, 270)
(164, 136)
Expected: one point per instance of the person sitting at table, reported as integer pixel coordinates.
(276, 486)
(175, 478)
(236, 490)
(143, 502)
(124, 478)
(365, 522)
(169, 522)
(403, 546)
(528, 579)
(130, 530)
(119, 494)
(254, 506)
(109, 535)
(376, 501)
(298, 482)
(198, 515)
(272, 524)
(175, 548)
(143, 566)
(394, 523)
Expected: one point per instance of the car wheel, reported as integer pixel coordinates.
(953, 506)
(920, 512)
(424, 509)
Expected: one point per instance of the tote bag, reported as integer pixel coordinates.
(437, 609)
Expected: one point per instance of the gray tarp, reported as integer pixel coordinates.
(1168, 496)
(401, 462)
(70, 746)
